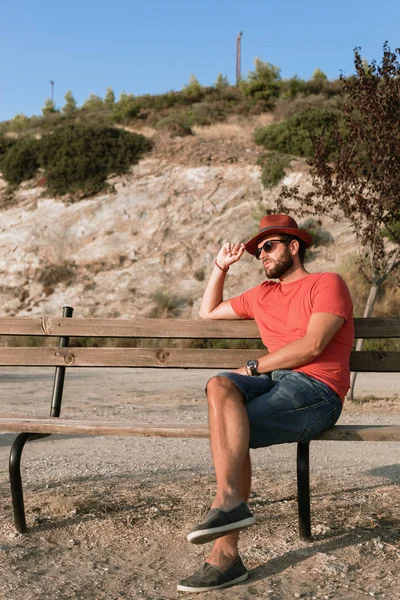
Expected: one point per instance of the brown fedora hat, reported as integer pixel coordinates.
(271, 224)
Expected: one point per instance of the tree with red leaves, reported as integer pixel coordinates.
(362, 184)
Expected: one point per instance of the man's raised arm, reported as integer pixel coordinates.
(212, 305)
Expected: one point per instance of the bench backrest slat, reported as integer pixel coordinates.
(169, 358)
(388, 327)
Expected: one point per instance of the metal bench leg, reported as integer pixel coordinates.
(16, 481)
(17, 494)
(303, 490)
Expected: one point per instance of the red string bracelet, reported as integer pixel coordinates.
(219, 267)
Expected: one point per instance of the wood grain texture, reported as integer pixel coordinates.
(376, 327)
(170, 358)
(26, 423)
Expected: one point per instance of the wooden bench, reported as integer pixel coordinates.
(33, 427)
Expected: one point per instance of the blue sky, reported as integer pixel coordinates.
(154, 46)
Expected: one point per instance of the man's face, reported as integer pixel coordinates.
(278, 260)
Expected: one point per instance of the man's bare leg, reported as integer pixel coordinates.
(229, 437)
(225, 549)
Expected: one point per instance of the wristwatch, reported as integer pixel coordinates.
(251, 367)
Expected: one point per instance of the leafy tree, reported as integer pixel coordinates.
(363, 185)
(126, 109)
(48, 108)
(221, 82)
(318, 82)
(292, 87)
(109, 98)
(319, 77)
(193, 90)
(93, 103)
(70, 103)
(263, 83)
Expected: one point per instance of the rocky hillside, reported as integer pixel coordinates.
(146, 247)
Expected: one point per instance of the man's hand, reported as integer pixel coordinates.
(242, 371)
(212, 305)
(229, 254)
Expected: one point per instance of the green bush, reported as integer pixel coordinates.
(5, 145)
(20, 161)
(19, 123)
(177, 125)
(80, 157)
(295, 135)
(273, 168)
(286, 107)
(127, 108)
(206, 113)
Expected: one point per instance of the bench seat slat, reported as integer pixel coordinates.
(31, 424)
(388, 327)
(195, 358)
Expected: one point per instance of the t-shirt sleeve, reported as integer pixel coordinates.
(333, 296)
(242, 305)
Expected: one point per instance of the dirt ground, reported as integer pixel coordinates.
(108, 516)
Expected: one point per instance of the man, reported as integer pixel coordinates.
(290, 394)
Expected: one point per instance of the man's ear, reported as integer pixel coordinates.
(294, 247)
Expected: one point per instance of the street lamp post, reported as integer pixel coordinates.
(238, 57)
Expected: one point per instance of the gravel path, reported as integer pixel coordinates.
(173, 395)
(108, 516)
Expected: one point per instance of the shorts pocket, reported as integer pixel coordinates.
(327, 419)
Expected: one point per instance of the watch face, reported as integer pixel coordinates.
(252, 364)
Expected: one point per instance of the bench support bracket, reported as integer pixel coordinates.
(17, 494)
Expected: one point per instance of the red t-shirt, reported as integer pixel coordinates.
(282, 312)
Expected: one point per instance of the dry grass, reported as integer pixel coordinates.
(235, 127)
(117, 538)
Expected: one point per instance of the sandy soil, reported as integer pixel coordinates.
(108, 516)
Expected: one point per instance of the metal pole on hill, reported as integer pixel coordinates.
(238, 57)
(52, 91)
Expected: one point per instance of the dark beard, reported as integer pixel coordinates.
(282, 266)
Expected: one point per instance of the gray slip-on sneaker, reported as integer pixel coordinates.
(210, 577)
(219, 523)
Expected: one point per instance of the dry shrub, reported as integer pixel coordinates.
(51, 275)
(386, 305)
(166, 306)
(388, 301)
(236, 127)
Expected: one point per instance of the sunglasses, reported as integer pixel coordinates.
(268, 247)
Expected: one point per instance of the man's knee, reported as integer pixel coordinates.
(221, 388)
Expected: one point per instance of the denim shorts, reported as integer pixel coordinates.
(286, 406)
